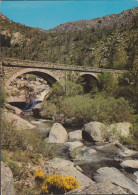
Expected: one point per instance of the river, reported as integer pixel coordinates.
(104, 157)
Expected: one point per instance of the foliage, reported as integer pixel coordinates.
(128, 88)
(32, 77)
(108, 83)
(58, 184)
(107, 110)
(10, 136)
(3, 96)
(13, 138)
(48, 109)
(39, 175)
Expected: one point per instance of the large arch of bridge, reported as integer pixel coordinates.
(45, 74)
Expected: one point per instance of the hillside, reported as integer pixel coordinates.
(110, 41)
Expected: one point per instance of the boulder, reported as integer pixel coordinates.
(95, 130)
(130, 164)
(14, 110)
(99, 188)
(136, 174)
(124, 151)
(57, 134)
(117, 130)
(66, 167)
(75, 135)
(19, 122)
(89, 152)
(113, 175)
(37, 109)
(73, 145)
(7, 182)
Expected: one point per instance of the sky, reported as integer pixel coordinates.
(49, 14)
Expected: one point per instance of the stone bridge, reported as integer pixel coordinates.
(13, 68)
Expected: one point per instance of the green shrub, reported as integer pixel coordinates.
(106, 110)
(48, 109)
(32, 77)
(3, 96)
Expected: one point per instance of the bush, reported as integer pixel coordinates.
(48, 109)
(106, 110)
(58, 184)
(32, 77)
(3, 96)
(108, 83)
(39, 175)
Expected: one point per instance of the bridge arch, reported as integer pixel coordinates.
(89, 81)
(45, 74)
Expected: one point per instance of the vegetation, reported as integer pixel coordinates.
(3, 96)
(58, 184)
(110, 45)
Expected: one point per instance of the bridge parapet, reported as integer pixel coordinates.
(9, 62)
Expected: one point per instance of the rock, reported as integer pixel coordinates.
(113, 175)
(98, 188)
(57, 134)
(14, 110)
(17, 38)
(136, 174)
(130, 164)
(37, 109)
(75, 135)
(89, 152)
(118, 130)
(66, 167)
(125, 151)
(19, 122)
(95, 130)
(7, 182)
(73, 145)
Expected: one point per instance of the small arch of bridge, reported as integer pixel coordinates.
(89, 80)
(45, 74)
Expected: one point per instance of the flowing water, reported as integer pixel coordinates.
(106, 157)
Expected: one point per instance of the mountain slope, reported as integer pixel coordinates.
(109, 42)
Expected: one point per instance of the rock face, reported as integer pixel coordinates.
(73, 145)
(113, 175)
(130, 164)
(99, 188)
(57, 134)
(19, 122)
(118, 130)
(75, 135)
(7, 182)
(95, 130)
(65, 167)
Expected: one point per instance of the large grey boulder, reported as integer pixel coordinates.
(57, 134)
(19, 122)
(117, 130)
(99, 188)
(73, 145)
(130, 164)
(113, 175)
(7, 182)
(95, 130)
(75, 135)
(66, 167)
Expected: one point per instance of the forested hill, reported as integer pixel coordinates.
(110, 41)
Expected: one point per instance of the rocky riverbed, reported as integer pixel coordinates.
(100, 167)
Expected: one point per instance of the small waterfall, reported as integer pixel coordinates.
(39, 98)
